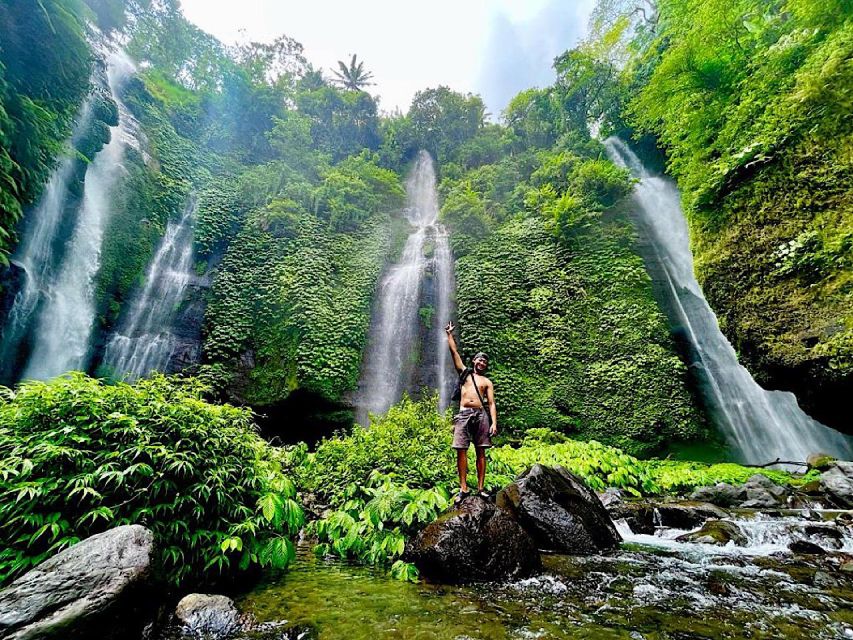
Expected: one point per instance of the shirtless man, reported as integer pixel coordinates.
(474, 422)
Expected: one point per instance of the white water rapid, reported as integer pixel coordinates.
(144, 342)
(396, 345)
(65, 321)
(760, 425)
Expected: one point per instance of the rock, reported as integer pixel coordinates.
(721, 494)
(687, 515)
(762, 493)
(80, 587)
(826, 535)
(611, 497)
(837, 482)
(559, 511)
(812, 488)
(806, 547)
(475, 542)
(717, 532)
(210, 616)
(638, 515)
(819, 461)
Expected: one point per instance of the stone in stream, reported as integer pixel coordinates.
(820, 461)
(763, 493)
(75, 593)
(559, 511)
(686, 515)
(639, 515)
(806, 547)
(475, 542)
(721, 494)
(837, 482)
(208, 616)
(716, 532)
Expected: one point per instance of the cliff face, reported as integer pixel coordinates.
(776, 263)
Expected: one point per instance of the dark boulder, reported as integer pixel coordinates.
(208, 616)
(686, 515)
(75, 592)
(639, 515)
(559, 511)
(837, 482)
(717, 532)
(721, 494)
(806, 547)
(475, 542)
(762, 493)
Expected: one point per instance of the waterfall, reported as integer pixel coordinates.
(396, 343)
(760, 425)
(66, 319)
(36, 254)
(145, 342)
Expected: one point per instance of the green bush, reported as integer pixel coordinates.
(78, 457)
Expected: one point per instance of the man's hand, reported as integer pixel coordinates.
(449, 328)
(493, 430)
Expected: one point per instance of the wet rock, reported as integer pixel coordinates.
(837, 482)
(812, 488)
(208, 616)
(721, 494)
(826, 536)
(559, 511)
(687, 515)
(824, 580)
(611, 497)
(717, 532)
(475, 542)
(819, 461)
(762, 493)
(806, 547)
(75, 593)
(638, 515)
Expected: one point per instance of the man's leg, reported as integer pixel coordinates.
(462, 468)
(481, 467)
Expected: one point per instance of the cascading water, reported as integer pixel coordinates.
(760, 425)
(36, 256)
(65, 320)
(395, 346)
(145, 342)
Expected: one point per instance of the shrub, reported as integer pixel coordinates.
(78, 457)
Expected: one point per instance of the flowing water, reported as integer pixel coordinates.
(397, 343)
(144, 342)
(37, 255)
(760, 425)
(652, 588)
(65, 320)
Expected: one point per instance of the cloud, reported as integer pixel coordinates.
(519, 54)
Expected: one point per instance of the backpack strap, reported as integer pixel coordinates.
(482, 403)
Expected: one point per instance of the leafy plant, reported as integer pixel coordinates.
(78, 457)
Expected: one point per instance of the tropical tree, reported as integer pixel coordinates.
(352, 76)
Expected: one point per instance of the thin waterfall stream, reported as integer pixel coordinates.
(65, 321)
(399, 342)
(760, 425)
(145, 342)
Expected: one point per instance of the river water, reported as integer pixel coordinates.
(653, 588)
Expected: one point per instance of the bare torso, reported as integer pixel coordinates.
(469, 397)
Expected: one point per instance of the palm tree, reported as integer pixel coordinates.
(352, 77)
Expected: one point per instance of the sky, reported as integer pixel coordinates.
(492, 47)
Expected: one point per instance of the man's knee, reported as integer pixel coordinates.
(481, 453)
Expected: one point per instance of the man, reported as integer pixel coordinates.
(475, 422)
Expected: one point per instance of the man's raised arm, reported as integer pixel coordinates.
(451, 342)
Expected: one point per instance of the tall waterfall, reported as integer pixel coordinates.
(36, 254)
(398, 342)
(760, 425)
(65, 321)
(144, 342)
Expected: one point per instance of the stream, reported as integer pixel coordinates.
(653, 587)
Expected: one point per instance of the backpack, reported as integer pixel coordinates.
(456, 396)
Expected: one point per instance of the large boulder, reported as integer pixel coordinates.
(475, 542)
(721, 494)
(837, 482)
(74, 592)
(559, 511)
(762, 493)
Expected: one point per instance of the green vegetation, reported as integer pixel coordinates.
(78, 457)
(37, 104)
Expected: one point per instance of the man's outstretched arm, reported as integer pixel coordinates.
(490, 393)
(451, 342)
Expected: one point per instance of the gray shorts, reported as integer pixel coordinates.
(471, 425)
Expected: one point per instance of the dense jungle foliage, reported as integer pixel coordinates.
(296, 182)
